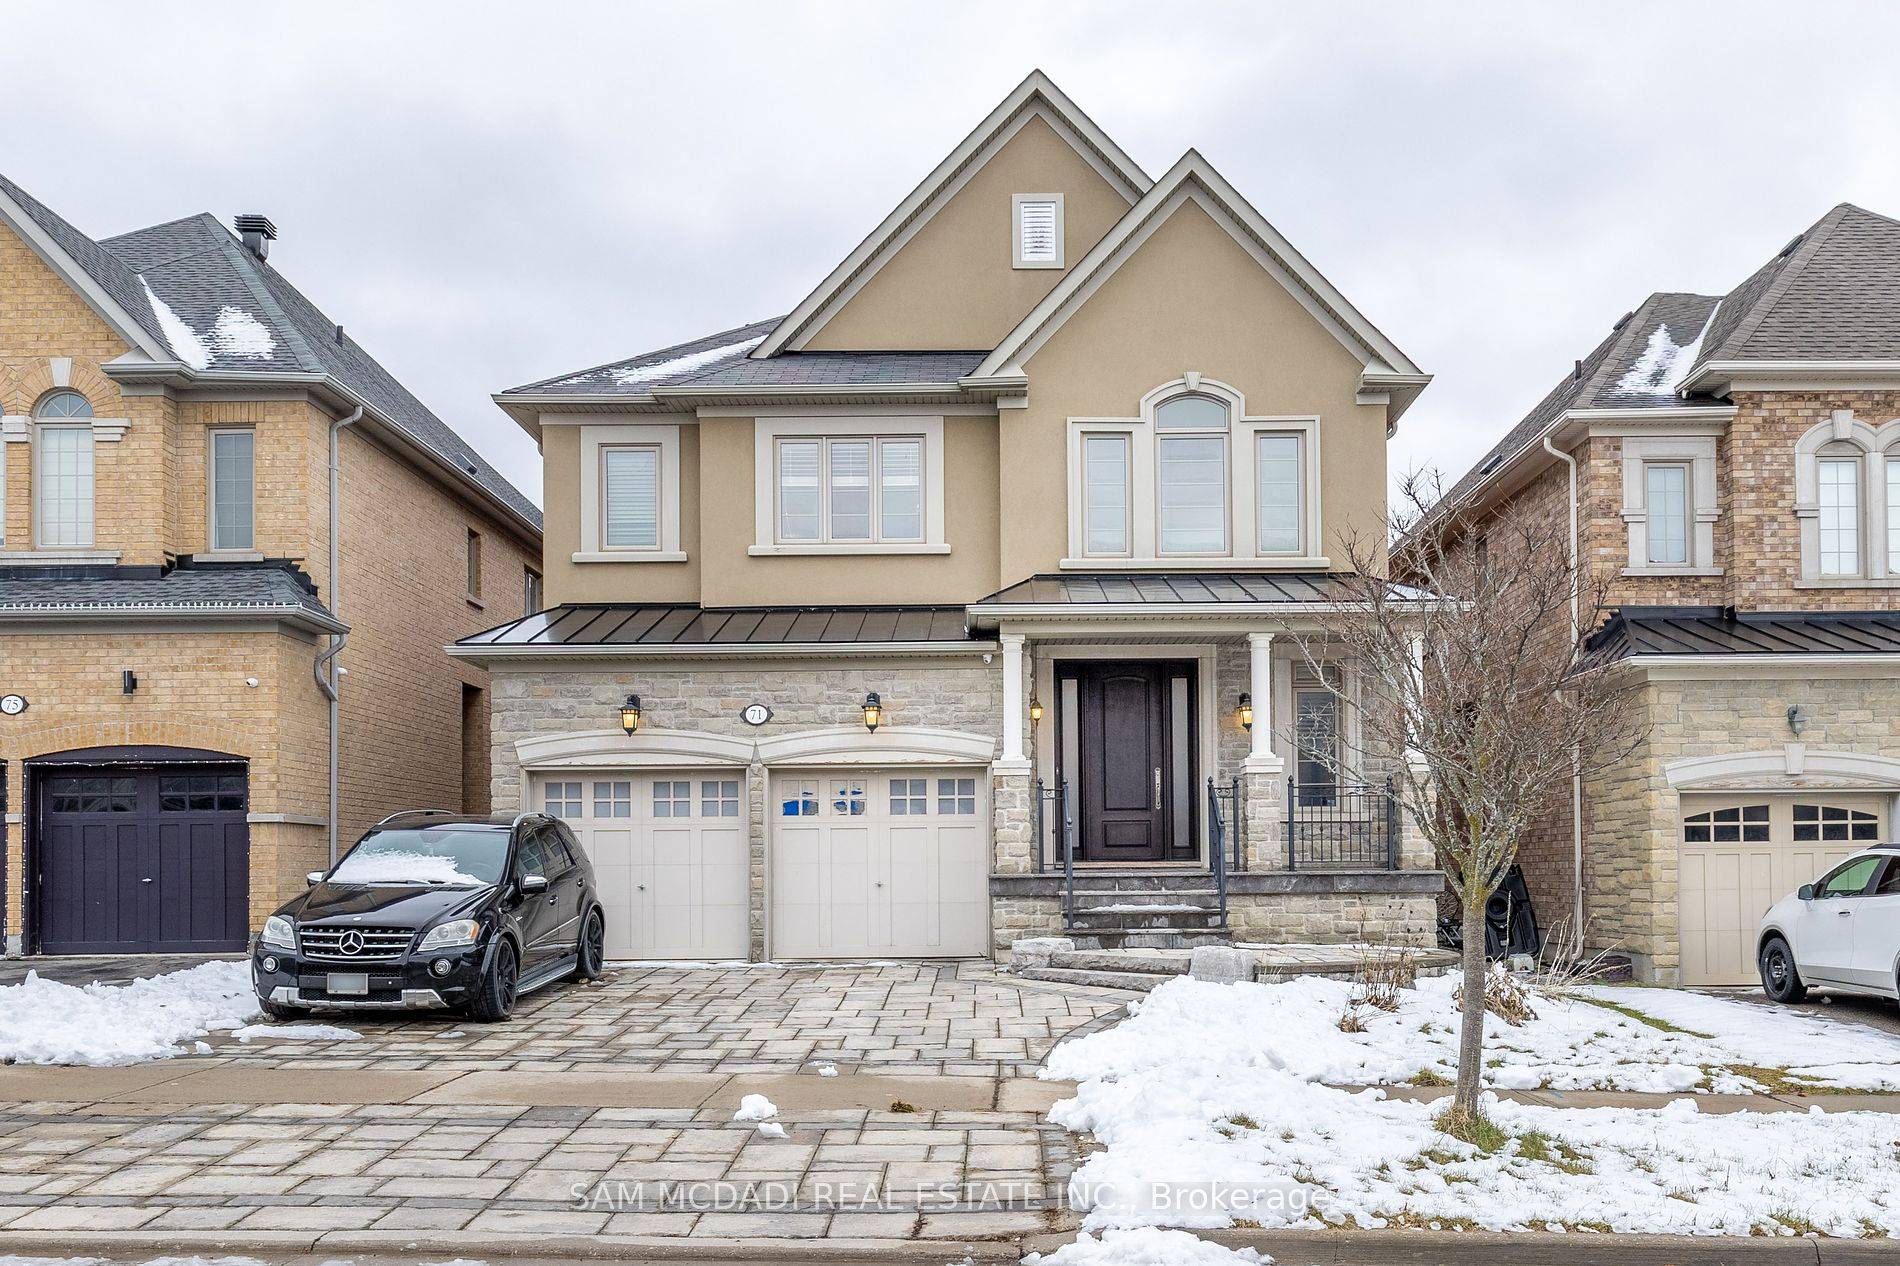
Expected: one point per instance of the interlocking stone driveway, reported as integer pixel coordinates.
(614, 1117)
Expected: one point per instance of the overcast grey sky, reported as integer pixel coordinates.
(486, 194)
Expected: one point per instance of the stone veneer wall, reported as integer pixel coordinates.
(1633, 816)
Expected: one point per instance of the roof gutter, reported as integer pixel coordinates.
(326, 670)
(1576, 750)
(76, 612)
(480, 652)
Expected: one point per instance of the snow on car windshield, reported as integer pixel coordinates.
(444, 855)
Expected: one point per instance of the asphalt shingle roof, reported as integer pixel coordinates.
(240, 315)
(212, 590)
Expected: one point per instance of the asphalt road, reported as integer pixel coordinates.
(106, 969)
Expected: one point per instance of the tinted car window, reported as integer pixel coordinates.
(1851, 879)
(572, 845)
(554, 851)
(532, 859)
(447, 855)
(1889, 882)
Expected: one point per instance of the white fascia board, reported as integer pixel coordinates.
(1037, 89)
(1190, 175)
(55, 257)
(1763, 667)
(1790, 375)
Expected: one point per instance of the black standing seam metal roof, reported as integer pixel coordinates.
(621, 624)
(1162, 589)
(1635, 631)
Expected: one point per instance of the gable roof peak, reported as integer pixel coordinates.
(1036, 92)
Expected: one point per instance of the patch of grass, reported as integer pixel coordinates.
(898, 1105)
(1350, 1021)
(1796, 1223)
(1540, 1147)
(1430, 1077)
(1631, 1013)
(1244, 1121)
(1474, 1128)
(1409, 1221)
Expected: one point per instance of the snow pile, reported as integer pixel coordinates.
(296, 1033)
(1572, 1044)
(1664, 364)
(1145, 1246)
(45, 1022)
(238, 333)
(399, 868)
(186, 345)
(1206, 1104)
(634, 375)
(759, 1108)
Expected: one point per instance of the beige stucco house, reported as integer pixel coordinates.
(175, 609)
(1731, 468)
(938, 610)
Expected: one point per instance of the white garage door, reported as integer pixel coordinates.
(880, 864)
(1741, 854)
(669, 853)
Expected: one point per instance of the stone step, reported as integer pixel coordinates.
(1140, 982)
(1139, 881)
(1147, 938)
(1190, 898)
(1153, 962)
(1130, 921)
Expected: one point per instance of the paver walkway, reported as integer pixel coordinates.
(599, 1110)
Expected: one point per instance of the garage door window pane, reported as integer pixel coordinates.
(613, 799)
(561, 799)
(93, 795)
(1834, 824)
(910, 797)
(956, 795)
(798, 800)
(1743, 824)
(719, 798)
(847, 799)
(672, 799)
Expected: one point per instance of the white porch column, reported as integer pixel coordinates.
(1014, 759)
(1260, 757)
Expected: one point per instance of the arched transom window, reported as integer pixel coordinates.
(1847, 501)
(62, 472)
(1192, 477)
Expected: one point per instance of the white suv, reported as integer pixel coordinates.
(1841, 932)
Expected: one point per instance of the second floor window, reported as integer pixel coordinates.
(850, 489)
(1838, 503)
(233, 490)
(1279, 499)
(474, 564)
(1666, 505)
(630, 497)
(530, 591)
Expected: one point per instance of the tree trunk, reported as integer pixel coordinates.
(1471, 1002)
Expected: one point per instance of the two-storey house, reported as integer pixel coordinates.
(952, 606)
(1730, 469)
(231, 548)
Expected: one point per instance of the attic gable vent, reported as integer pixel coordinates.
(1038, 230)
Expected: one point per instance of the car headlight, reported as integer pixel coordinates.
(453, 933)
(279, 931)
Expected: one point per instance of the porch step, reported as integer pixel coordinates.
(1149, 962)
(1146, 938)
(1138, 981)
(1141, 881)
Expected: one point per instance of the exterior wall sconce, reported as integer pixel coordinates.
(128, 681)
(1035, 708)
(873, 712)
(1245, 711)
(1797, 720)
(630, 715)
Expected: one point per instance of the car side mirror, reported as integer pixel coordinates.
(531, 884)
(314, 878)
(1805, 892)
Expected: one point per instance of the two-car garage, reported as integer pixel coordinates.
(858, 862)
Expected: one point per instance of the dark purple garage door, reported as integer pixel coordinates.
(138, 858)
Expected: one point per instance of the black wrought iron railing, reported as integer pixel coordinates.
(1055, 829)
(1233, 819)
(1217, 842)
(1341, 826)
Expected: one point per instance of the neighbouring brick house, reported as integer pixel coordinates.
(1026, 496)
(1737, 493)
(167, 610)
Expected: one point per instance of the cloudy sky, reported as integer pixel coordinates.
(486, 194)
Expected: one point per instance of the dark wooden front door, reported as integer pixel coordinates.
(152, 860)
(1129, 760)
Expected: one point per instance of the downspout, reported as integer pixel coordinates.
(1576, 756)
(327, 673)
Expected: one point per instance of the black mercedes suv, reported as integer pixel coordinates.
(436, 909)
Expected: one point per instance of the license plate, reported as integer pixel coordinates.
(348, 982)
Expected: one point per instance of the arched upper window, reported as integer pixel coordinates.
(64, 404)
(1847, 500)
(1191, 412)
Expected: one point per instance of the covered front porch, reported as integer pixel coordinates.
(1182, 763)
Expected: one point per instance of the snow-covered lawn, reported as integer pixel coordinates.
(1689, 1042)
(1209, 1095)
(45, 1022)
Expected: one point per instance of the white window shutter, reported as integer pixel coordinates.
(1037, 232)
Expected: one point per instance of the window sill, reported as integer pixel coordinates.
(230, 556)
(1848, 582)
(861, 547)
(475, 602)
(1199, 562)
(628, 556)
(54, 556)
(1674, 571)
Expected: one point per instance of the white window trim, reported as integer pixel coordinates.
(666, 438)
(1016, 232)
(768, 432)
(250, 553)
(1697, 452)
(1243, 524)
(41, 502)
(1875, 446)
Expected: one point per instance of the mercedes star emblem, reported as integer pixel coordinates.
(351, 942)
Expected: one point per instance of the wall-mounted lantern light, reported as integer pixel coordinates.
(1245, 711)
(873, 712)
(128, 681)
(1797, 720)
(630, 714)
(1035, 708)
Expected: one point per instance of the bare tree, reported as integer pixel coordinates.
(1468, 665)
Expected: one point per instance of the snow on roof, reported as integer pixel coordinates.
(633, 375)
(185, 343)
(238, 333)
(1664, 363)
